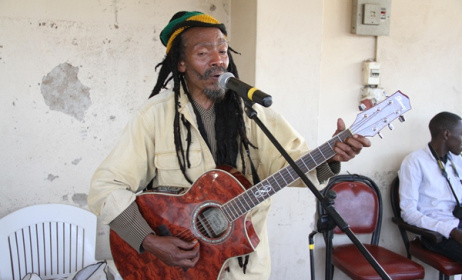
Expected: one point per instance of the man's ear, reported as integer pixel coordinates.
(181, 67)
(446, 134)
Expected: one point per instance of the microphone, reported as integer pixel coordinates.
(248, 93)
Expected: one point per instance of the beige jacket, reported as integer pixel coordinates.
(146, 150)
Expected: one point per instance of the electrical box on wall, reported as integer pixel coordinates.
(371, 73)
(371, 17)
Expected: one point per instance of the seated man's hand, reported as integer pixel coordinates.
(172, 250)
(457, 235)
(350, 147)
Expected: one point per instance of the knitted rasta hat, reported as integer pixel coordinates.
(184, 20)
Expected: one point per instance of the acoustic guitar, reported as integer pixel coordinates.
(214, 210)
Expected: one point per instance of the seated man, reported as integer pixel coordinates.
(431, 187)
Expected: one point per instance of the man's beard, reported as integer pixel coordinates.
(215, 95)
(218, 93)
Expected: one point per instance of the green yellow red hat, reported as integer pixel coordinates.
(184, 20)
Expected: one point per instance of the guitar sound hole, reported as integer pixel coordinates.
(212, 223)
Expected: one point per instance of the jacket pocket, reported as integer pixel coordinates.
(169, 172)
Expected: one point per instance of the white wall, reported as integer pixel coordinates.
(421, 57)
(289, 45)
(304, 54)
(99, 57)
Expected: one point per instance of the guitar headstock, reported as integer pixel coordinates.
(370, 122)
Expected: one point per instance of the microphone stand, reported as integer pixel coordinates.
(326, 202)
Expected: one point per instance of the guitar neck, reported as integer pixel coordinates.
(249, 199)
(368, 123)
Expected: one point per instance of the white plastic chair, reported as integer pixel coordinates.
(52, 240)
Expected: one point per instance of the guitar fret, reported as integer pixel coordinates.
(229, 214)
(242, 207)
(309, 165)
(239, 210)
(301, 167)
(281, 182)
(314, 160)
(226, 211)
(323, 153)
(251, 199)
(248, 205)
(270, 189)
(224, 208)
(233, 210)
(274, 186)
(236, 208)
(306, 165)
(293, 174)
(277, 180)
(284, 176)
(328, 149)
(330, 146)
(320, 155)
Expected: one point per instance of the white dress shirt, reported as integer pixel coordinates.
(426, 199)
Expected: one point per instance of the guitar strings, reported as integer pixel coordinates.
(186, 234)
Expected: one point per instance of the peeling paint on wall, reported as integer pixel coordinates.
(51, 177)
(80, 199)
(63, 91)
(76, 161)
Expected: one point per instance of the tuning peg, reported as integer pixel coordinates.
(380, 135)
(401, 118)
(390, 126)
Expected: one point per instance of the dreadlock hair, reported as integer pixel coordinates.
(229, 124)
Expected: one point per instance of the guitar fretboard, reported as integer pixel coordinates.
(249, 199)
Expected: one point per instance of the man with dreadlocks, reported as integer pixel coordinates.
(181, 133)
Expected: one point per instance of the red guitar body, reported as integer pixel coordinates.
(180, 213)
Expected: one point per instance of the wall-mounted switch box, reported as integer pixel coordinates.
(371, 14)
(371, 17)
(371, 73)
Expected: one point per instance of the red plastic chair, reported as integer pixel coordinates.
(444, 265)
(359, 202)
